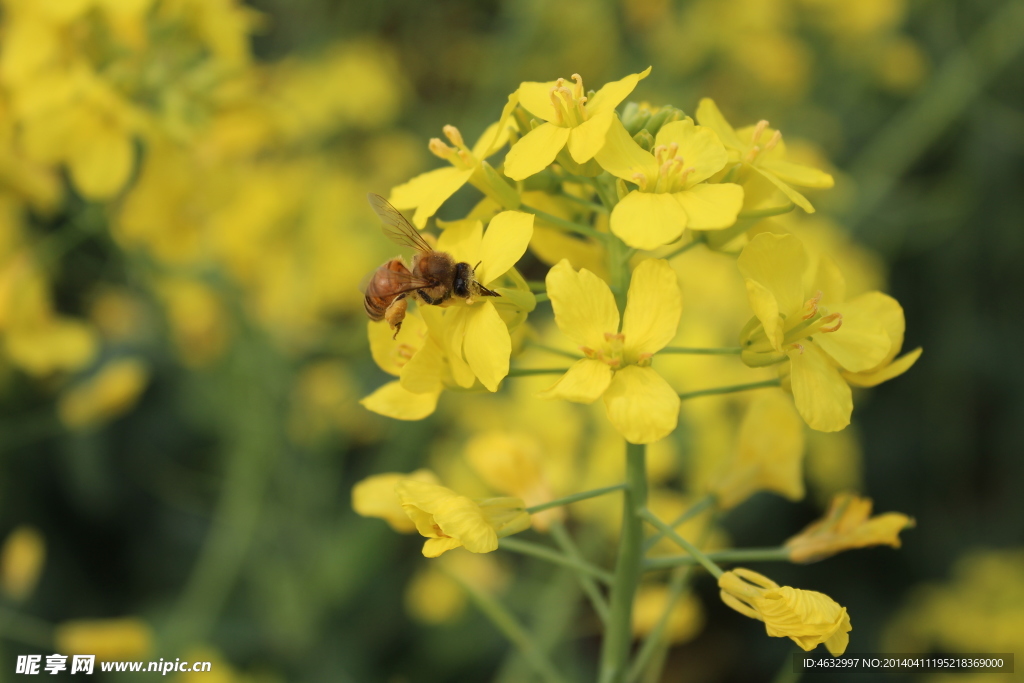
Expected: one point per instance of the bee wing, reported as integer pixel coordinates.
(396, 227)
(392, 283)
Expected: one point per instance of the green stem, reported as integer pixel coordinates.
(537, 285)
(724, 351)
(708, 564)
(694, 510)
(551, 555)
(722, 556)
(628, 569)
(576, 497)
(584, 202)
(529, 372)
(561, 536)
(571, 226)
(697, 239)
(510, 627)
(541, 296)
(730, 389)
(618, 268)
(552, 349)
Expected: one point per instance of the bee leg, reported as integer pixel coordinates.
(395, 314)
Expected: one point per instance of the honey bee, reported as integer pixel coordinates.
(435, 276)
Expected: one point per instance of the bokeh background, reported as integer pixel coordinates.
(183, 230)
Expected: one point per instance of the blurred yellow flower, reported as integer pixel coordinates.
(570, 118)
(671, 194)
(761, 149)
(685, 620)
(376, 496)
(21, 561)
(111, 392)
(449, 520)
(108, 639)
(769, 454)
(808, 618)
(640, 403)
(846, 525)
(433, 596)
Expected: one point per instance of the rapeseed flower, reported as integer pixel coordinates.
(124, 637)
(671, 194)
(808, 618)
(761, 149)
(571, 119)
(639, 402)
(846, 525)
(112, 391)
(375, 496)
(21, 562)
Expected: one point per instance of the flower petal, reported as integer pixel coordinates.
(653, 307)
(798, 174)
(585, 381)
(454, 335)
(536, 98)
(886, 372)
(424, 373)
(860, 343)
(623, 157)
(709, 115)
(790, 193)
(428, 191)
(586, 139)
(392, 400)
(535, 150)
(391, 352)
(435, 547)
(612, 94)
(101, 161)
(711, 207)
(641, 405)
(488, 345)
(583, 303)
(508, 234)
(699, 147)
(822, 396)
(496, 134)
(778, 263)
(461, 518)
(645, 220)
(463, 240)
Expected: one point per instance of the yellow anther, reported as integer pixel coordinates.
(454, 136)
(811, 305)
(798, 347)
(641, 180)
(758, 131)
(775, 140)
(405, 351)
(579, 85)
(439, 149)
(612, 336)
(644, 359)
(588, 352)
(837, 317)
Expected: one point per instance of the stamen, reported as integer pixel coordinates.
(644, 359)
(557, 104)
(811, 305)
(641, 180)
(579, 85)
(612, 336)
(439, 149)
(752, 154)
(758, 131)
(454, 136)
(776, 139)
(798, 347)
(588, 352)
(838, 317)
(405, 351)
(658, 152)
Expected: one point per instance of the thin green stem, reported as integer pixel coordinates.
(552, 349)
(730, 389)
(576, 497)
(541, 296)
(551, 555)
(707, 563)
(724, 351)
(694, 510)
(564, 540)
(510, 627)
(721, 557)
(628, 569)
(584, 202)
(529, 372)
(697, 239)
(537, 285)
(571, 226)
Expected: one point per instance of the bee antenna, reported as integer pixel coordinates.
(477, 265)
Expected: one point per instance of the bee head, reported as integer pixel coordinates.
(463, 276)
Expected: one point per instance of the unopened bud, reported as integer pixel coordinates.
(644, 139)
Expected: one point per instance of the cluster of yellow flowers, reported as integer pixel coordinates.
(660, 234)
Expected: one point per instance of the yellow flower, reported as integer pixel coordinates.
(433, 596)
(21, 561)
(640, 403)
(685, 620)
(671, 194)
(375, 496)
(449, 520)
(123, 638)
(428, 191)
(476, 334)
(801, 316)
(769, 454)
(112, 391)
(808, 618)
(416, 395)
(761, 149)
(571, 118)
(847, 524)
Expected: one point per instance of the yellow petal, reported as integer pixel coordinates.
(424, 372)
(775, 264)
(391, 352)
(453, 332)
(653, 307)
(375, 497)
(583, 303)
(536, 98)
(798, 174)
(885, 373)
(535, 150)
(392, 400)
(699, 147)
(847, 525)
(641, 405)
(488, 345)
(584, 382)
(822, 396)
(790, 193)
(496, 134)
(463, 240)
(766, 308)
(435, 547)
(612, 94)
(711, 207)
(101, 161)
(623, 157)
(586, 139)
(428, 191)
(883, 309)
(709, 115)
(860, 343)
(645, 220)
(504, 243)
